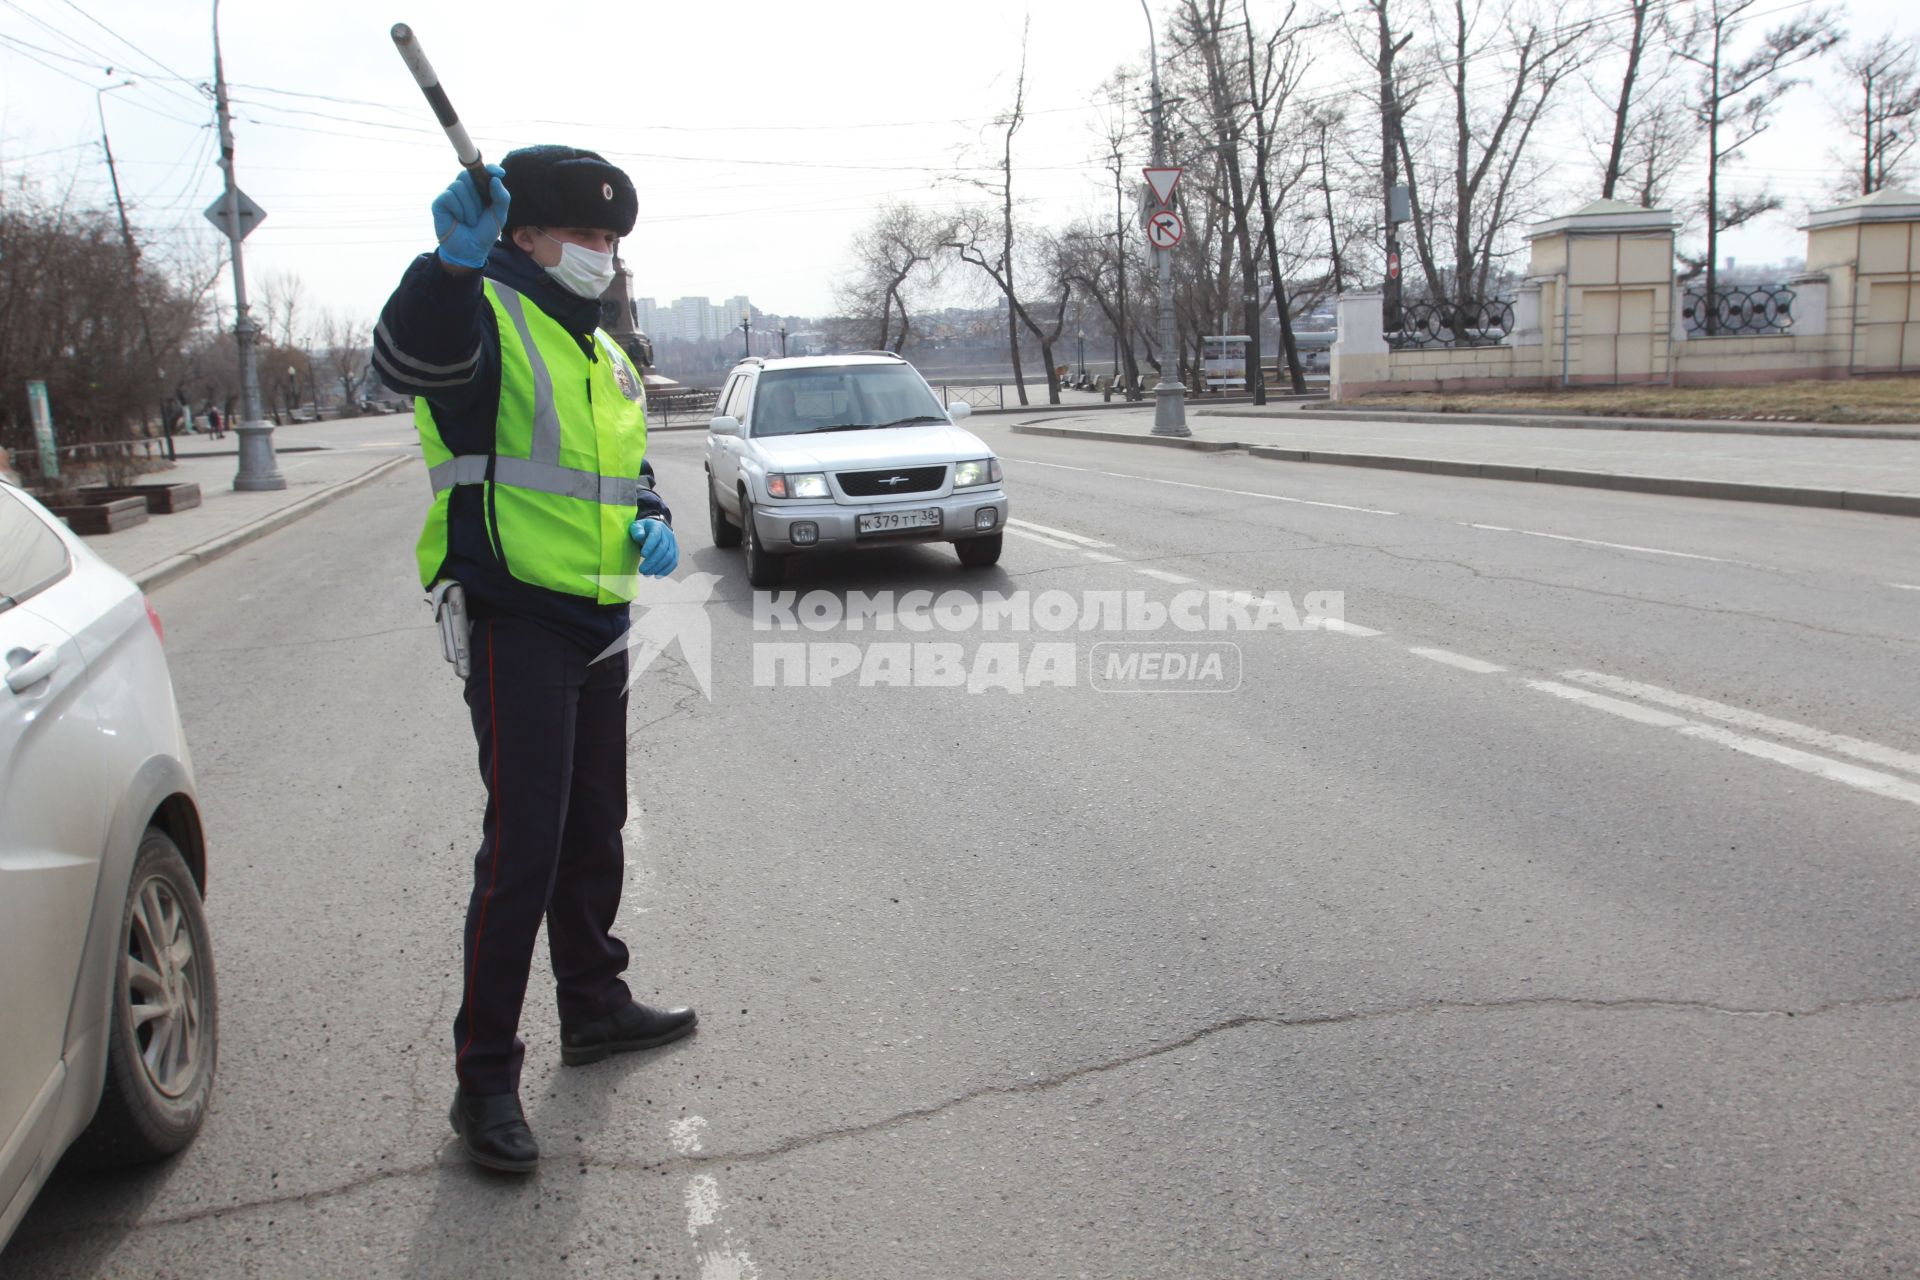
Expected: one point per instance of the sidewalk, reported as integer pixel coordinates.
(1572, 422)
(1849, 472)
(167, 546)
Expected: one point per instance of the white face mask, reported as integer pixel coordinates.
(582, 271)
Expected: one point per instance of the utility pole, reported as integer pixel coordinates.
(1169, 398)
(133, 255)
(746, 337)
(259, 469)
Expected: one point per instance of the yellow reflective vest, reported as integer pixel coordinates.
(563, 479)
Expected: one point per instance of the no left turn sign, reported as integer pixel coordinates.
(1164, 229)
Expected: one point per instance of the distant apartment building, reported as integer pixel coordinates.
(692, 319)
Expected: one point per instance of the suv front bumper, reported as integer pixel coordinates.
(837, 526)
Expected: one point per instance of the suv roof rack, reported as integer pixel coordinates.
(751, 360)
(891, 355)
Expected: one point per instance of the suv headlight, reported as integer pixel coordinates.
(808, 484)
(968, 475)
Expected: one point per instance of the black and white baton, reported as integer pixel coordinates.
(423, 75)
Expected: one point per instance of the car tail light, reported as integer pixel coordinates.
(154, 617)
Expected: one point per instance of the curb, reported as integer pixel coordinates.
(1867, 500)
(1552, 422)
(158, 575)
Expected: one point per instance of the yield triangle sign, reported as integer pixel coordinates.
(1163, 181)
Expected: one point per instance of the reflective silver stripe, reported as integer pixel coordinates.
(536, 477)
(397, 377)
(546, 419)
(421, 366)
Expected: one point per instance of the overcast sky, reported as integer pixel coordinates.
(760, 134)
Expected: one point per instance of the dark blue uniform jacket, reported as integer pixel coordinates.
(437, 338)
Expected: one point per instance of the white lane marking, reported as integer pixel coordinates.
(1858, 748)
(1904, 586)
(685, 1135)
(1101, 557)
(1162, 575)
(1062, 534)
(1349, 628)
(715, 1252)
(1182, 484)
(1459, 660)
(1595, 542)
(633, 840)
(1030, 536)
(1832, 770)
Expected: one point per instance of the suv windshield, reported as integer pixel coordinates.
(798, 401)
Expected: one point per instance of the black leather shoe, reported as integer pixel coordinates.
(635, 1027)
(494, 1131)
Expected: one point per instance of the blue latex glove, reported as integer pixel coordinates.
(466, 231)
(659, 549)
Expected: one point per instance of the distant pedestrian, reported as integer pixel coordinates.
(216, 426)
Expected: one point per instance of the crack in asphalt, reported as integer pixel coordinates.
(1044, 1084)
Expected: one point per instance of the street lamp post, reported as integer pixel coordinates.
(259, 469)
(1169, 398)
(746, 336)
(783, 337)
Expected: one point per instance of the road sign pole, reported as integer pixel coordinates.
(1169, 398)
(259, 469)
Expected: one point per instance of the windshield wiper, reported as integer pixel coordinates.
(907, 422)
(843, 426)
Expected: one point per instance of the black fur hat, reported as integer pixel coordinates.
(555, 186)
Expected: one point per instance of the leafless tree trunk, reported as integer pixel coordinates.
(1884, 77)
(1739, 96)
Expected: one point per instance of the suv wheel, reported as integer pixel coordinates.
(725, 532)
(163, 1031)
(979, 553)
(764, 569)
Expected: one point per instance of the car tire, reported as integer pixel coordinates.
(160, 1067)
(725, 532)
(979, 553)
(764, 569)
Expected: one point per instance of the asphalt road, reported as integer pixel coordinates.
(1555, 918)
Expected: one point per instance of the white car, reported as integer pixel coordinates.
(107, 1003)
(818, 452)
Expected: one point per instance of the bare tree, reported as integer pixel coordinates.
(1122, 142)
(344, 352)
(1884, 79)
(1523, 61)
(1273, 72)
(1395, 97)
(283, 309)
(901, 242)
(1652, 131)
(1735, 100)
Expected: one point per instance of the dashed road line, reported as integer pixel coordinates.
(1062, 534)
(1101, 557)
(1858, 748)
(1348, 628)
(1161, 575)
(1595, 542)
(718, 1256)
(1182, 484)
(1805, 761)
(1903, 586)
(1459, 660)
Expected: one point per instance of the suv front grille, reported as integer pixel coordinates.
(899, 480)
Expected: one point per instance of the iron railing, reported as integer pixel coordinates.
(980, 397)
(1738, 310)
(1426, 323)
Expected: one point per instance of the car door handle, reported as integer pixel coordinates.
(39, 665)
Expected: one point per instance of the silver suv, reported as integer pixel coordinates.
(840, 452)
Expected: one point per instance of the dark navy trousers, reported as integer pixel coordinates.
(552, 729)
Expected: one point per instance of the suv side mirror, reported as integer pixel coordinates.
(724, 425)
(959, 410)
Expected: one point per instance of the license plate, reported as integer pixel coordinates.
(893, 521)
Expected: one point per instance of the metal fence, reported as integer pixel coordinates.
(1426, 323)
(1738, 310)
(980, 397)
(664, 406)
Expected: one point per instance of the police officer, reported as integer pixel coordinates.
(533, 425)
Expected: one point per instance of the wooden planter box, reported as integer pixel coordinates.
(161, 499)
(104, 517)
